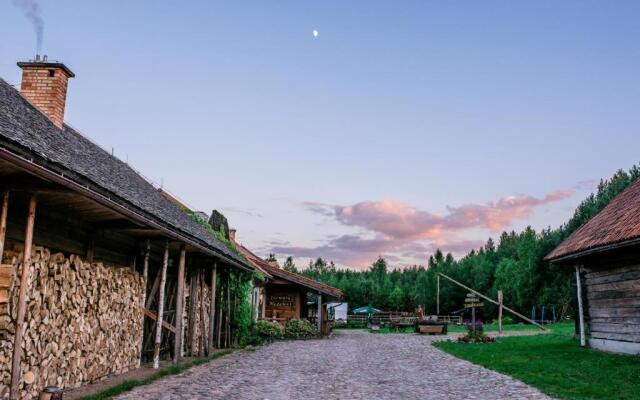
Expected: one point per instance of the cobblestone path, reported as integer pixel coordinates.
(351, 365)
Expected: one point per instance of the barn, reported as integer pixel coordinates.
(605, 254)
(93, 255)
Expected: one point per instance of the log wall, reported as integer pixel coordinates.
(83, 322)
(612, 289)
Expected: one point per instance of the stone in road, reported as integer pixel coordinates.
(351, 365)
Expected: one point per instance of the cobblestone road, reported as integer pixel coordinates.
(351, 365)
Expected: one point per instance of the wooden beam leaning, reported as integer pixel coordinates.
(492, 301)
(3, 222)
(178, 342)
(583, 336)
(163, 281)
(22, 301)
(212, 311)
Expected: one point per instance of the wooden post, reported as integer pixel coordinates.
(22, 301)
(263, 312)
(202, 341)
(145, 267)
(500, 301)
(320, 313)
(163, 281)
(227, 336)
(177, 344)
(3, 222)
(212, 316)
(583, 339)
(438, 297)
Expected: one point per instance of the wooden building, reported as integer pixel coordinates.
(92, 255)
(605, 253)
(284, 295)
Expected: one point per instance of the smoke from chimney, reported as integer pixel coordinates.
(31, 10)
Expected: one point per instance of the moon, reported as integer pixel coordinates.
(315, 33)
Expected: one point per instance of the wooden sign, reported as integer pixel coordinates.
(281, 301)
(472, 301)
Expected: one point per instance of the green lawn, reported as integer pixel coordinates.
(556, 364)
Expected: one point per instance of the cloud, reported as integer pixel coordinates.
(395, 229)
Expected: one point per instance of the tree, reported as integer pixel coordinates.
(290, 266)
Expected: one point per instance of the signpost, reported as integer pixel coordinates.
(472, 301)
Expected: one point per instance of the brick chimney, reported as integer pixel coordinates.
(232, 235)
(44, 84)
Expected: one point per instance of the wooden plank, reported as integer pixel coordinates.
(163, 280)
(22, 302)
(615, 328)
(604, 303)
(623, 285)
(154, 317)
(614, 312)
(616, 336)
(3, 221)
(613, 294)
(178, 343)
(628, 274)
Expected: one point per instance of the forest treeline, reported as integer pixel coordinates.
(514, 264)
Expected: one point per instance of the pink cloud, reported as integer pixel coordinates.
(402, 231)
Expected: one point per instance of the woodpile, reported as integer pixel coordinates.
(199, 310)
(83, 322)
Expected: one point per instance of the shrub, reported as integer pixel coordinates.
(507, 320)
(300, 329)
(268, 330)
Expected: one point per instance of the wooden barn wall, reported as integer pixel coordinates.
(612, 286)
(83, 322)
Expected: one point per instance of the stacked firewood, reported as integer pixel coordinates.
(83, 322)
(197, 341)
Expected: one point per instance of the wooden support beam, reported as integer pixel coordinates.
(163, 281)
(438, 295)
(583, 336)
(500, 302)
(3, 222)
(153, 316)
(319, 315)
(202, 342)
(22, 301)
(91, 247)
(178, 344)
(154, 289)
(212, 311)
(492, 301)
(227, 336)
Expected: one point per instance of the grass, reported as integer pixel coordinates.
(556, 365)
(172, 370)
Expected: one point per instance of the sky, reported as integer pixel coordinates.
(401, 128)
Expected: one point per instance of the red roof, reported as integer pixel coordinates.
(274, 271)
(617, 224)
